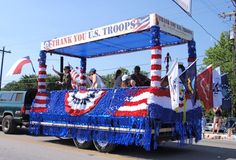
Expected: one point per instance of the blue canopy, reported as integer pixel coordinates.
(117, 45)
(127, 36)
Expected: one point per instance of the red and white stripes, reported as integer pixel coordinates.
(74, 75)
(42, 78)
(41, 96)
(156, 66)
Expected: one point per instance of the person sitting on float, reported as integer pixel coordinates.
(117, 79)
(96, 79)
(127, 81)
(140, 79)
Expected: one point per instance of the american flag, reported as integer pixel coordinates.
(74, 79)
(142, 23)
(137, 105)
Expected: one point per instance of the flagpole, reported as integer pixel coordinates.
(189, 66)
(206, 68)
(32, 67)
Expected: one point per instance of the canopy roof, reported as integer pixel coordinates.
(127, 36)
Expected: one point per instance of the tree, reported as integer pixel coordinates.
(30, 82)
(109, 78)
(221, 55)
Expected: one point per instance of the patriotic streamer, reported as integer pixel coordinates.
(40, 102)
(156, 66)
(155, 56)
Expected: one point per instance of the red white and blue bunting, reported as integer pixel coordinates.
(81, 102)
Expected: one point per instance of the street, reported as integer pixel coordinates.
(26, 147)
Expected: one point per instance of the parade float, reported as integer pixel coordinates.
(107, 117)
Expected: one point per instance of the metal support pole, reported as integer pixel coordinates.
(61, 67)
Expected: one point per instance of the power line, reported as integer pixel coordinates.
(204, 29)
(213, 9)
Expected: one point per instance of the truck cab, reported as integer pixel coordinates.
(14, 109)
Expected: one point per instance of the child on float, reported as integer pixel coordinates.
(117, 79)
(127, 81)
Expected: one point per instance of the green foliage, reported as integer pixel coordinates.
(221, 55)
(30, 82)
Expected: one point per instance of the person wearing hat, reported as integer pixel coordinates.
(96, 79)
(127, 81)
(66, 83)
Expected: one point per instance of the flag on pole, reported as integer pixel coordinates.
(186, 5)
(217, 94)
(204, 87)
(173, 79)
(226, 101)
(188, 78)
(17, 67)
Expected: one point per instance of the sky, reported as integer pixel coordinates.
(26, 23)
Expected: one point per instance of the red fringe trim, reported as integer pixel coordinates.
(157, 47)
(156, 56)
(155, 67)
(138, 113)
(155, 78)
(131, 104)
(39, 109)
(39, 101)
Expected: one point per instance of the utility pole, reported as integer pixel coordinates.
(232, 14)
(3, 53)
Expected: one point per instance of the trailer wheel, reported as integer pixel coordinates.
(8, 125)
(82, 144)
(104, 146)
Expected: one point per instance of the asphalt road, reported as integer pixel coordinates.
(26, 147)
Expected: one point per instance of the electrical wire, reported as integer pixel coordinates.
(234, 3)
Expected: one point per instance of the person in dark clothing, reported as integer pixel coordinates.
(167, 61)
(66, 83)
(140, 79)
(217, 119)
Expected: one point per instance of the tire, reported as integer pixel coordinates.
(82, 144)
(8, 125)
(104, 146)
